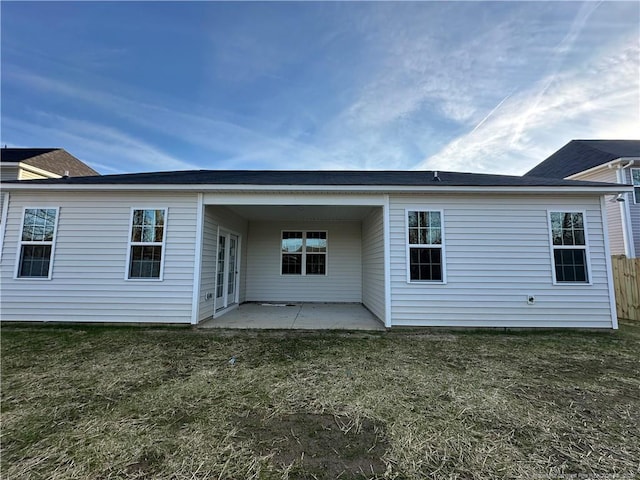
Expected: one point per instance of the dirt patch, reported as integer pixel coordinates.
(149, 462)
(319, 446)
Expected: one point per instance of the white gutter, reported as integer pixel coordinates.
(629, 159)
(607, 261)
(614, 163)
(619, 163)
(193, 188)
(625, 211)
(611, 164)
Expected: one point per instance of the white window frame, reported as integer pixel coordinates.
(636, 188)
(29, 242)
(408, 246)
(162, 244)
(587, 251)
(304, 253)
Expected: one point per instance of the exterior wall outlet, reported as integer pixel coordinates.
(531, 299)
(208, 296)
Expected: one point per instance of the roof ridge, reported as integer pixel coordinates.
(53, 160)
(595, 143)
(589, 144)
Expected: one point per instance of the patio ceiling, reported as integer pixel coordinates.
(301, 212)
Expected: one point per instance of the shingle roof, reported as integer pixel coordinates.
(54, 160)
(22, 154)
(315, 177)
(580, 155)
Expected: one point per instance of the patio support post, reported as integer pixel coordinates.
(387, 263)
(197, 261)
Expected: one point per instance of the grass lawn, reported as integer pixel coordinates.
(98, 402)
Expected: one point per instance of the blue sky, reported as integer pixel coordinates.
(473, 86)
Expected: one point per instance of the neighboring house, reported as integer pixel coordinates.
(416, 248)
(613, 161)
(38, 163)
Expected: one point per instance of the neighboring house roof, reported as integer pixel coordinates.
(54, 160)
(580, 155)
(335, 178)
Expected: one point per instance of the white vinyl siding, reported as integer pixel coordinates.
(214, 217)
(88, 273)
(208, 269)
(373, 262)
(343, 282)
(28, 175)
(634, 215)
(8, 172)
(615, 210)
(498, 253)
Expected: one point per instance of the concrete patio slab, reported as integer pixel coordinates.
(303, 316)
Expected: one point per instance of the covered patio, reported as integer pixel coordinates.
(319, 258)
(298, 316)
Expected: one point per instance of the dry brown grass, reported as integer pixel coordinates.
(94, 402)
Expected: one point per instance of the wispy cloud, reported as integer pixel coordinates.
(107, 149)
(422, 72)
(226, 144)
(235, 142)
(429, 87)
(558, 56)
(475, 86)
(598, 100)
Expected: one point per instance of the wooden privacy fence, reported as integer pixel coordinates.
(626, 282)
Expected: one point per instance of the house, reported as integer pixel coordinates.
(416, 248)
(613, 161)
(38, 163)
(34, 163)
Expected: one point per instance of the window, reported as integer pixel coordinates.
(36, 242)
(304, 253)
(424, 245)
(635, 179)
(568, 239)
(146, 244)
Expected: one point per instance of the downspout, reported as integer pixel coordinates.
(607, 261)
(625, 213)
